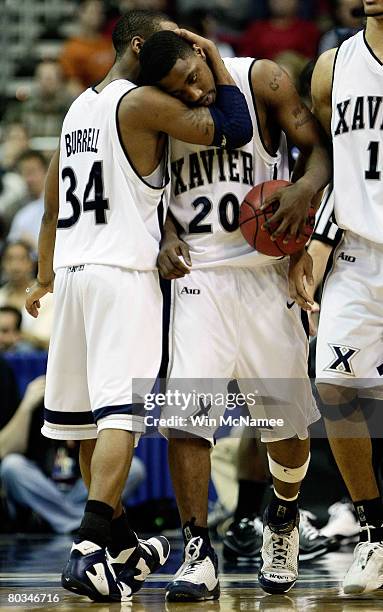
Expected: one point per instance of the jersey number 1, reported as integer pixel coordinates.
(373, 173)
(99, 204)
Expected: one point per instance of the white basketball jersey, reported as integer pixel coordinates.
(108, 214)
(357, 132)
(209, 185)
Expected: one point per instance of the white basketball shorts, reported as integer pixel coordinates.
(239, 323)
(107, 332)
(350, 333)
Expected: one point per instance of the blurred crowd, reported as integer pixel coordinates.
(38, 474)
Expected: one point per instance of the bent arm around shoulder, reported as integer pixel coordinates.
(226, 123)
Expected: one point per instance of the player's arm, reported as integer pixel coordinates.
(174, 257)
(225, 123)
(319, 249)
(47, 239)
(321, 87)
(283, 105)
(325, 238)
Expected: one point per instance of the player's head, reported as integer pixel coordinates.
(135, 26)
(169, 62)
(373, 8)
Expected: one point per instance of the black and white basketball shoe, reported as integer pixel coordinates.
(197, 578)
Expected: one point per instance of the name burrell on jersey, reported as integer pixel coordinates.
(82, 141)
(200, 167)
(359, 114)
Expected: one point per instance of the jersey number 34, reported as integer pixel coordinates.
(99, 205)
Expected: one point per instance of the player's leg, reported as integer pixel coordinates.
(121, 533)
(348, 361)
(108, 296)
(286, 394)
(201, 353)
(68, 416)
(189, 462)
(288, 464)
(349, 437)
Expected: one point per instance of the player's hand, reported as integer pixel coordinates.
(300, 277)
(290, 218)
(194, 39)
(169, 260)
(34, 295)
(313, 319)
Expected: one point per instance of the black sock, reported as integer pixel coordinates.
(370, 512)
(122, 535)
(250, 495)
(95, 525)
(191, 530)
(280, 511)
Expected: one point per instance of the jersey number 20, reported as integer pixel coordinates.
(99, 204)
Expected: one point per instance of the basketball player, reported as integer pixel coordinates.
(104, 192)
(347, 97)
(229, 317)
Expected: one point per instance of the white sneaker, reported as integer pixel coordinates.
(197, 578)
(366, 572)
(342, 523)
(280, 551)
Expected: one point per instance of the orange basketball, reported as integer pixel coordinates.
(252, 218)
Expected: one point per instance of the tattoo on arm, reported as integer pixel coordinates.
(277, 75)
(301, 116)
(201, 118)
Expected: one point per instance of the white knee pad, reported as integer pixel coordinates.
(286, 474)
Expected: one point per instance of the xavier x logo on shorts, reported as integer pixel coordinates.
(343, 356)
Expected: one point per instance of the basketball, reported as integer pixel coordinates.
(252, 218)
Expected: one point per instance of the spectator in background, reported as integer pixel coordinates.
(10, 331)
(41, 476)
(203, 22)
(88, 56)
(13, 192)
(17, 270)
(15, 141)
(45, 107)
(32, 166)
(232, 15)
(346, 24)
(283, 31)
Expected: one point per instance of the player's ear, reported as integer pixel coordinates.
(136, 44)
(198, 51)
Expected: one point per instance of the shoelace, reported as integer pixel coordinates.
(308, 530)
(280, 549)
(364, 550)
(192, 552)
(193, 549)
(192, 566)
